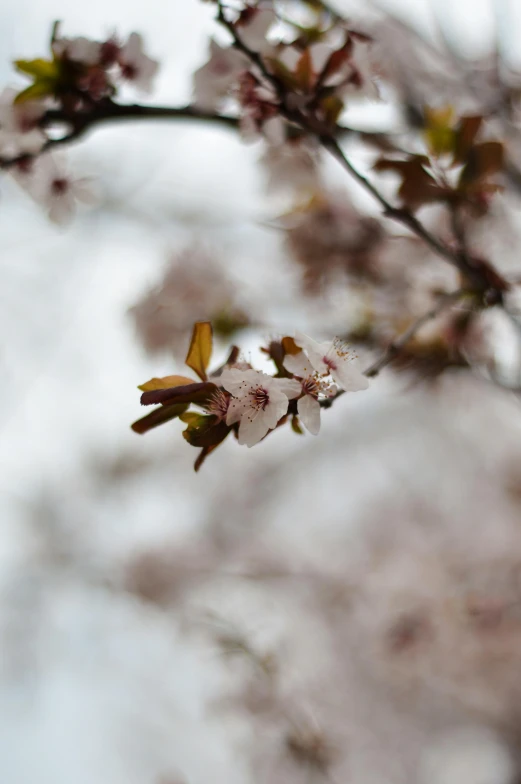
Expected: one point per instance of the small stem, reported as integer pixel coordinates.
(394, 348)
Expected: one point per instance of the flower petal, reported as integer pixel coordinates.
(276, 408)
(236, 409)
(288, 386)
(233, 380)
(309, 411)
(252, 428)
(348, 374)
(298, 364)
(315, 351)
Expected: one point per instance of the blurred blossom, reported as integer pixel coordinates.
(49, 182)
(194, 288)
(328, 235)
(19, 131)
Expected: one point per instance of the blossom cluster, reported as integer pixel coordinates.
(237, 398)
(82, 71)
(81, 76)
(278, 72)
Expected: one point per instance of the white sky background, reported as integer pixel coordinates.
(70, 364)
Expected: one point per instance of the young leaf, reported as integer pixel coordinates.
(167, 382)
(304, 72)
(482, 161)
(200, 349)
(40, 89)
(466, 133)
(289, 346)
(206, 431)
(40, 69)
(439, 132)
(336, 61)
(158, 417)
(198, 393)
(295, 426)
(203, 454)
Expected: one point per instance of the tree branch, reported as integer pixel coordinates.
(394, 348)
(108, 111)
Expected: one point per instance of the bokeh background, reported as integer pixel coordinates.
(242, 624)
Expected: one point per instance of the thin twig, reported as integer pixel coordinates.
(394, 348)
(480, 275)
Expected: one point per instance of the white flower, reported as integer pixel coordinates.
(312, 385)
(292, 166)
(19, 131)
(254, 29)
(52, 186)
(79, 50)
(258, 402)
(214, 80)
(135, 65)
(335, 358)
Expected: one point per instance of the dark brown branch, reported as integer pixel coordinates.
(108, 111)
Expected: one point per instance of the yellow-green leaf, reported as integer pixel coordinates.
(39, 89)
(200, 349)
(295, 426)
(439, 130)
(167, 382)
(192, 419)
(40, 68)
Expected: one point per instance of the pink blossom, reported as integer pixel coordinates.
(254, 26)
(50, 184)
(136, 66)
(313, 386)
(258, 402)
(19, 131)
(214, 80)
(79, 50)
(334, 358)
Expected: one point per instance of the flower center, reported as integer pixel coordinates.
(310, 386)
(329, 363)
(59, 186)
(259, 398)
(218, 404)
(129, 71)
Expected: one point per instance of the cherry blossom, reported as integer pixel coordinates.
(254, 26)
(19, 131)
(312, 386)
(50, 184)
(292, 166)
(334, 358)
(214, 80)
(79, 50)
(135, 65)
(258, 402)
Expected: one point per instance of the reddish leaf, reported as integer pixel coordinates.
(336, 61)
(418, 186)
(466, 133)
(304, 75)
(289, 346)
(206, 431)
(199, 393)
(482, 161)
(158, 417)
(203, 455)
